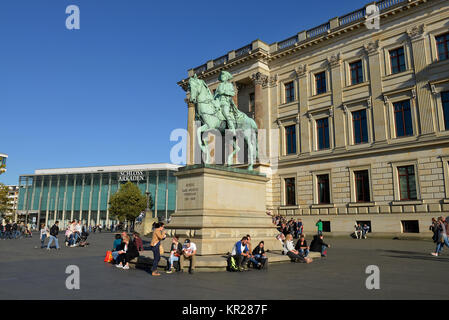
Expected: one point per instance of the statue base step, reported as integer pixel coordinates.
(217, 206)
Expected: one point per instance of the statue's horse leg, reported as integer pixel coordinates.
(202, 143)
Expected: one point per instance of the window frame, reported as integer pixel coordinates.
(368, 182)
(446, 45)
(324, 79)
(328, 189)
(395, 104)
(293, 139)
(396, 183)
(318, 133)
(359, 81)
(362, 141)
(397, 59)
(289, 92)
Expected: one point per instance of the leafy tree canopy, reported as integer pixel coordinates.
(128, 202)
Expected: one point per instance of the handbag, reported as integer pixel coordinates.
(161, 249)
(108, 257)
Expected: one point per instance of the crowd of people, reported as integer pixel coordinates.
(15, 230)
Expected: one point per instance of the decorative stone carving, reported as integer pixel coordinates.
(433, 89)
(369, 102)
(345, 108)
(260, 79)
(372, 47)
(331, 112)
(297, 120)
(309, 116)
(334, 60)
(386, 100)
(301, 70)
(417, 32)
(273, 80)
(414, 93)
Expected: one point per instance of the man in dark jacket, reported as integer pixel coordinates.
(318, 245)
(8, 230)
(54, 231)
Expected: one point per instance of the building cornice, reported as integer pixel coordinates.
(304, 40)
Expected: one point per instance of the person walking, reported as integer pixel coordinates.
(44, 233)
(158, 236)
(319, 225)
(54, 231)
(443, 230)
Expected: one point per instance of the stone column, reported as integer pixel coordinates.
(337, 98)
(379, 120)
(304, 145)
(424, 97)
(190, 160)
(259, 80)
(262, 85)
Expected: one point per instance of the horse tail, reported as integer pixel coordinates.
(256, 137)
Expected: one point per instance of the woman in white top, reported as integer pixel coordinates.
(44, 234)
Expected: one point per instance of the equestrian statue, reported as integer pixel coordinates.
(220, 113)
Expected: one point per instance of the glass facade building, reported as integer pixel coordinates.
(84, 193)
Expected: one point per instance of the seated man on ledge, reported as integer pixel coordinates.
(318, 245)
(240, 252)
(188, 253)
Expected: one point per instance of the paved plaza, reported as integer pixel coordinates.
(407, 271)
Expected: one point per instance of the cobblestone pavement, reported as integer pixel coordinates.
(407, 271)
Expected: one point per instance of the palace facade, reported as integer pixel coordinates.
(356, 118)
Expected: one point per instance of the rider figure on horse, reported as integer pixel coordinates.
(224, 94)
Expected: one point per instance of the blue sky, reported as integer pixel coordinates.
(106, 94)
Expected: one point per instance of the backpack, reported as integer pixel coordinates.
(232, 265)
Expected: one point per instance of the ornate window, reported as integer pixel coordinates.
(362, 186)
(443, 46)
(407, 183)
(289, 92)
(445, 103)
(397, 60)
(323, 189)
(356, 69)
(403, 118)
(360, 127)
(320, 81)
(322, 128)
(290, 138)
(290, 193)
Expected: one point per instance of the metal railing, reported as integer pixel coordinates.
(221, 60)
(318, 30)
(200, 69)
(311, 33)
(244, 50)
(287, 43)
(385, 4)
(351, 17)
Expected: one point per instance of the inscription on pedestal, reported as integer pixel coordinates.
(190, 192)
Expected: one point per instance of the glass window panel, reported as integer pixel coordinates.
(290, 133)
(171, 192)
(445, 103)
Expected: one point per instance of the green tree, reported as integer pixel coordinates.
(4, 201)
(128, 202)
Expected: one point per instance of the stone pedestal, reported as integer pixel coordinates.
(217, 206)
(145, 227)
